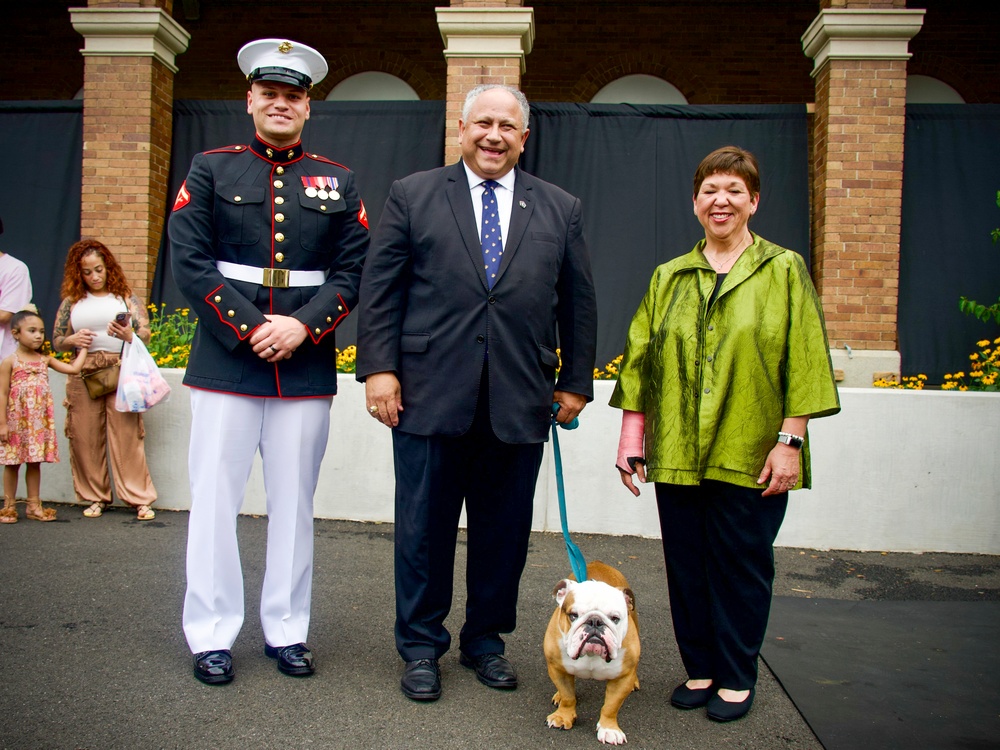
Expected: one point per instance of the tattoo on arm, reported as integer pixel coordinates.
(62, 328)
(140, 319)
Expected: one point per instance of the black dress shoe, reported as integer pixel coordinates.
(492, 669)
(421, 680)
(295, 660)
(720, 710)
(686, 698)
(214, 667)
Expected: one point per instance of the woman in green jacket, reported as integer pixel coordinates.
(726, 361)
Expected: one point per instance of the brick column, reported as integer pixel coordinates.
(482, 45)
(860, 71)
(128, 94)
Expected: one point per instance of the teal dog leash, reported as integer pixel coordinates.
(576, 559)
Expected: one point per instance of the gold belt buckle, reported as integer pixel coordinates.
(276, 277)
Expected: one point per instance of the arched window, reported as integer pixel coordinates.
(927, 90)
(639, 89)
(370, 86)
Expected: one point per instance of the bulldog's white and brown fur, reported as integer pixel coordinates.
(593, 634)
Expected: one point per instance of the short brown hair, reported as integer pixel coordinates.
(729, 160)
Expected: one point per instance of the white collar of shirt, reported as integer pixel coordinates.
(505, 198)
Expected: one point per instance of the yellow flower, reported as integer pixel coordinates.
(947, 376)
(974, 356)
(984, 342)
(963, 387)
(959, 374)
(949, 386)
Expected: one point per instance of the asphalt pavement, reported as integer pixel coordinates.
(93, 656)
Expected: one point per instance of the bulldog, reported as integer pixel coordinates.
(593, 634)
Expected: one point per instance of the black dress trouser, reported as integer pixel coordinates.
(718, 546)
(496, 481)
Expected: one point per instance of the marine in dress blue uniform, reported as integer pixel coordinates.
(267, 242)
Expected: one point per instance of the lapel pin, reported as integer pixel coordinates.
(522, 204)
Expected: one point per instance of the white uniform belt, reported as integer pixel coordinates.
(274, 277)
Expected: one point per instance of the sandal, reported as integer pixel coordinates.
(9, 512)
(94, 511)
(145, 513)
(36, 512)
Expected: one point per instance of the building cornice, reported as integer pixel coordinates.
(132, 32)
(487, 32)
(837, 34)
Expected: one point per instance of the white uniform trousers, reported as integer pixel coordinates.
(226, 432)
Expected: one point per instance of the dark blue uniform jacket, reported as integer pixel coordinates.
(264, 207)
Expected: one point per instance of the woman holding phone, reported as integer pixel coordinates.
(100, 313)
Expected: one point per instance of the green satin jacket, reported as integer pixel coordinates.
(716, 382)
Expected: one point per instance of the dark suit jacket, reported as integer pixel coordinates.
(426, 313)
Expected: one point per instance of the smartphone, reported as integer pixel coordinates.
(121, 318)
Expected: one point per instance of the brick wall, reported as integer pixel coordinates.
(126, 159)
(725, 52)
(858, 180)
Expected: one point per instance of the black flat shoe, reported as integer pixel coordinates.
(421, 680)
(720, 710)
(295, 660)
(687, 698)
(214, 667)
(492, 670)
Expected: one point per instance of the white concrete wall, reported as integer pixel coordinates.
(894, 471)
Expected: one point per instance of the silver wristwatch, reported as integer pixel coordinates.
(788, 438)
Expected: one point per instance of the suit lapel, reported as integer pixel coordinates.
(520, 214)
(460, 198)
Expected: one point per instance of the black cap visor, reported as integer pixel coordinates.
(281, 75)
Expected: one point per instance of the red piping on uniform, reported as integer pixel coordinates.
(222, 319)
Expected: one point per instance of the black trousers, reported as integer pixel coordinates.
(718, 546)
(496, 481)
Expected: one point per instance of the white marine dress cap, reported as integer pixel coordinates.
(283, 61)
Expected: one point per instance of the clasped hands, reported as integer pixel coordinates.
(277, 337)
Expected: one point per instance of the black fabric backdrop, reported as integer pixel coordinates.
(951, 175)
(40, 194)
(630, 165)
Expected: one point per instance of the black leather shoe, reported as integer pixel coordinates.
(686, 698)
(295, 660)
(214, 667)
(421, 680)
(492, 669)
(720, 710)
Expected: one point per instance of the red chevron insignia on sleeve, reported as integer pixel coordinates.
(183, 197)
(363, 215)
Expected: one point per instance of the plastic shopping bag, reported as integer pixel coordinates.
(140, 384)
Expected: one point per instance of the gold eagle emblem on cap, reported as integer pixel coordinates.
(285, 47)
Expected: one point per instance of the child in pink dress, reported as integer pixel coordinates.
(28, 433)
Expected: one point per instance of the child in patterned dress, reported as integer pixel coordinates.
(27, 414)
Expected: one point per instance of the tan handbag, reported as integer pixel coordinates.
(102, 382)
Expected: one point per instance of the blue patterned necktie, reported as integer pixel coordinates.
(490, 235)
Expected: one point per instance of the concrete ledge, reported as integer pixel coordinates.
(896, 470)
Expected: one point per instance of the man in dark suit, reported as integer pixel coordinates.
(478, 278)
(267, 243)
